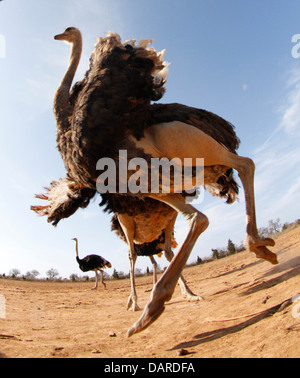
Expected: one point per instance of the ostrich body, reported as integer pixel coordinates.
(92, 263)
(110, 110)
(153, 223)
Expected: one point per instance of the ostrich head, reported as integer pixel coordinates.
(74, 239)
(70, 35)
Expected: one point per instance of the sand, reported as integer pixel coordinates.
(241, 314)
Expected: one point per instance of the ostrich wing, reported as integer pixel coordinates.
(213, 125)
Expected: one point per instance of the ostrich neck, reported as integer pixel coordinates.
(76, 241)
(62, 107)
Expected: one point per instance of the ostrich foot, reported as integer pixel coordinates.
(161, 293)
(132, 304)
(187, 292)
(154, 308)
(264, 253)
(258, 246)
(192, 297)
(152, 311)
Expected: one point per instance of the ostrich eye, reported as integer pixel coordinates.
(68, 29)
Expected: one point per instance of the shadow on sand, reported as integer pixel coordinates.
(206, 337)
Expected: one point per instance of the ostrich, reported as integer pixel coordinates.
(110, 111)
(92, 262)
(153, 223)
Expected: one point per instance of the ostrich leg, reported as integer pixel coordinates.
(128, 227)
(164, 288)
(96, 282)
(185, 290)
(102, 278)
(154, 265)
(253, 243)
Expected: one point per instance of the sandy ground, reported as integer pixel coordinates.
(48, 319)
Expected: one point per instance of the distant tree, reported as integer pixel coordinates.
(14, 273)
(74, 277)
(285, 226)
(215, 254)
(274, 226)
(115, 275)
(52, 273)
(138, 271)
(240, 247)
(199, 260)
(147, 271)
(32, 274)
(231, 247)
(35, 273)
(263, 232)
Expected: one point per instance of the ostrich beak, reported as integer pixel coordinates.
(59, 36)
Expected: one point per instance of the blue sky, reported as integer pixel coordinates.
(227, 56)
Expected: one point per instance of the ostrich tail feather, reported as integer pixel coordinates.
(65, 198)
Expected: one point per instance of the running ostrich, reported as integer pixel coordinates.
(110, 111)
(92, 262)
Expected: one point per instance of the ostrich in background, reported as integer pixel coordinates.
(92, 262)
(110, 110)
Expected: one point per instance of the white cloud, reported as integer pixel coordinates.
(278, 159)
(291, 117)
(289, 124)
(291, 197)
